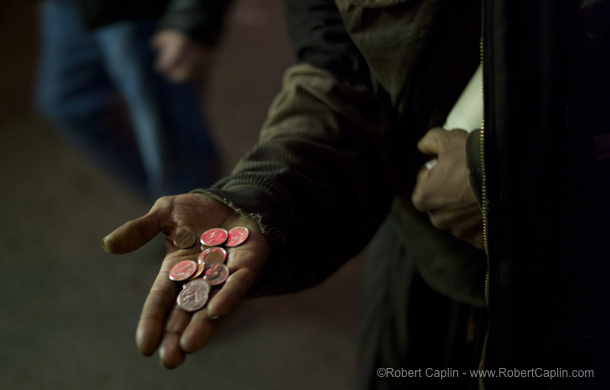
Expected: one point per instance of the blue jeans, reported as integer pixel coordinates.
(85, 76)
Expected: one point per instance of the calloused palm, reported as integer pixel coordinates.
(162, 325)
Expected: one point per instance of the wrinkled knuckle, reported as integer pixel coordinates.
(160, 201)
(164, 201)
(243, 278)
(439, 223)
(191, 347)
(459, 133)
(193, 344)
(461, 234)
(418, 200)
(158, 297)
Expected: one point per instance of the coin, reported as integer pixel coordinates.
(184, 239)
(194, 295)
(212, 255)
(183, 270)
(216, 273)
(200, 269)
(204, 285)
(237, 236)
(214, 237)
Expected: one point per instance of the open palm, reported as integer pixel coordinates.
(162, 324)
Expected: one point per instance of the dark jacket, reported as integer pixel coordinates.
(337, 156)
(547, 190)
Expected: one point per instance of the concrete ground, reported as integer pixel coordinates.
(68, 310)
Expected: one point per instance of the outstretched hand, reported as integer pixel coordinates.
(443, 189)
(162, 324)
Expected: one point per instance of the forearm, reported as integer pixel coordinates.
(315, 181)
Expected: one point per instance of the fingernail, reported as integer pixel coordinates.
(105, 243)
(213, 316)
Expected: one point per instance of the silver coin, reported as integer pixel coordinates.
(194, 296)
(201, 284)
(216, 273)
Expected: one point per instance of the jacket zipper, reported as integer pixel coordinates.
(483, 210)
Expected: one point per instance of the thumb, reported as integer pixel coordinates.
(132, 235)
(430, 142)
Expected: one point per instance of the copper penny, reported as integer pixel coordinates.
(200, 269)
(184, 239)
(194, 295)
(214, 237)
(216, 273)
(212, 255)
(183, 270)
(237, 236)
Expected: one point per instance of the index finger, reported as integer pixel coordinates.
(159, 302)
(429, 143)
(226, 300)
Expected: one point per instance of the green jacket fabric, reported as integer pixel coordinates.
(337, 156)
(337, 153)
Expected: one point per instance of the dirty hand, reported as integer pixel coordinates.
(443, 189)
(162, 324)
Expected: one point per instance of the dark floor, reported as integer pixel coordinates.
(68, 310)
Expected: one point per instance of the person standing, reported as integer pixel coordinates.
(492, 258)
(96, 53)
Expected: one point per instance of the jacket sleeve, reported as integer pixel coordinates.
(202, 20)
(314, 181)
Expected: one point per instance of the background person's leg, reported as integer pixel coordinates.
(174, 143)
(75, 93)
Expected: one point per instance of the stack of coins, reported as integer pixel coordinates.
(210, 263)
